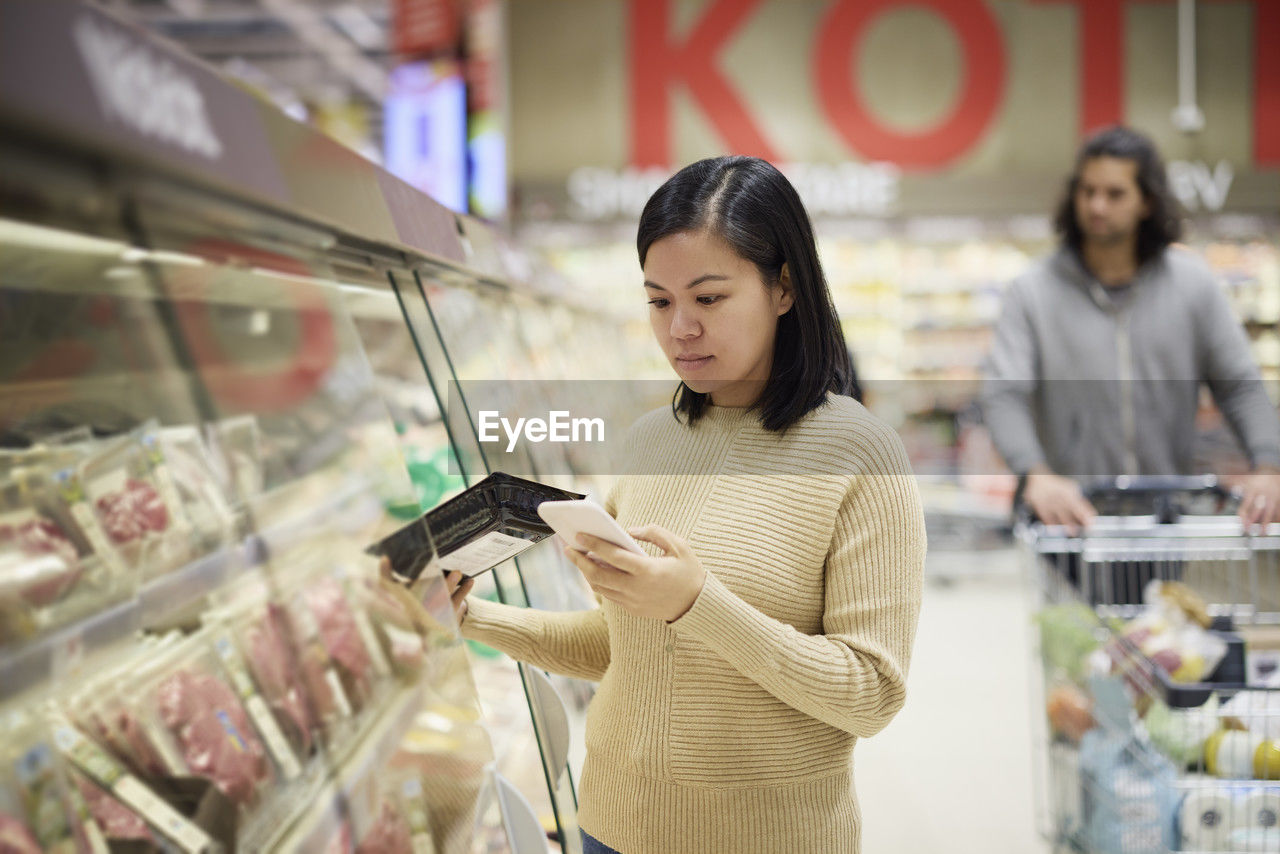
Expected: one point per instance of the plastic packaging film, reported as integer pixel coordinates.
(1203, 820)
(1223, 817)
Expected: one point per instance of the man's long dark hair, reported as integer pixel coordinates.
(753, 207)
(1163, 223)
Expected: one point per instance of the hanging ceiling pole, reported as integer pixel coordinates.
(1187, 116)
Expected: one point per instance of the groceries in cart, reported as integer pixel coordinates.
(1173, 633)
(1171, 636)
(1164, 723)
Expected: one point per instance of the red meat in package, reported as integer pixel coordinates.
(115, 819)
(390, 834)
(120, 508)
(104, 710)
(43, 564)
(133, 512)
(272, 662)
(134, 744)
(337, 625)
(396, 620)
(15, 838)
(213, 732)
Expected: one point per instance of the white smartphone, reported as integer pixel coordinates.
(584, 516)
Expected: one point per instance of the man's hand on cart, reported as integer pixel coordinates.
(1260, 497)
(1057, 500)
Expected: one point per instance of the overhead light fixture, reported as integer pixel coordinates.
(1187, 116)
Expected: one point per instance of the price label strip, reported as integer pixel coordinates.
(259, 712)
(105, 771)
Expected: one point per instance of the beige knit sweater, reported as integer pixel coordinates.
(732, 729)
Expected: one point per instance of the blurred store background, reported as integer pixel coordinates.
(930, 140)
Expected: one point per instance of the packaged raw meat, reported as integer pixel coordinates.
(181, 456)
(282, 753)
(112, 820)
(41, 562)
(337, 697)
(208, 723)
(329, 693)
(78, 499)
(15, 837)
(99, 709)
(130, 517)
(105, 772)
(340, 841)
(403, 821)
(239, 456)
(34, 810)
(400, 622)
(289, 667)
(348, 646)
(390, 833)
(266, 644)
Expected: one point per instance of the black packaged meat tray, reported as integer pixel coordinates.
(475, 530)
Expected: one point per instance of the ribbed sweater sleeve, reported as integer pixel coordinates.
(853, 675)
(571, 643)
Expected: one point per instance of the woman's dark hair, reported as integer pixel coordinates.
(749, 204)
(1163, 223)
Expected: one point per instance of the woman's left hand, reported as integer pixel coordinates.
(663, 587)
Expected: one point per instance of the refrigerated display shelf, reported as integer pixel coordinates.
(310, 827)
(47, 657)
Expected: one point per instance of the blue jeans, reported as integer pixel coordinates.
(591, 845)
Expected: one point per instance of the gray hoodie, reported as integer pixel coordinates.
(1097, 383)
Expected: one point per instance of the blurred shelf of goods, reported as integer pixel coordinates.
(221, 381)
(918, 305)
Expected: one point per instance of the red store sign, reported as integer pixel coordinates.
(660, 61)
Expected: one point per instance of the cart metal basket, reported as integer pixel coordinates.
(1134, 762)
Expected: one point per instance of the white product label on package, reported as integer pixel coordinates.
(93, 837)
(168, 488)
(102, 546)
(370, 638)
(161, 816)
(160, 740)
(17, 518)
(488, 551)
(93, 761)
(172, 500)
(339, 695)
(271, 734)
(85, 754)
(111, 483)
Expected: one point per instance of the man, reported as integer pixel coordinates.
(1101, 348)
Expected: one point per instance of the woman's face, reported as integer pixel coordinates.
(713, 315)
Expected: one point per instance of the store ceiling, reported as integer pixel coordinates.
(299, 52)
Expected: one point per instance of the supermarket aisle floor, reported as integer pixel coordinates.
(952, 773)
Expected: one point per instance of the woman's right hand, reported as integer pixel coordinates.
(458, 590)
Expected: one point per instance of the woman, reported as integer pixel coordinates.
(771, 623)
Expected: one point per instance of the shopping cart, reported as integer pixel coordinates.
(1128, 760)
